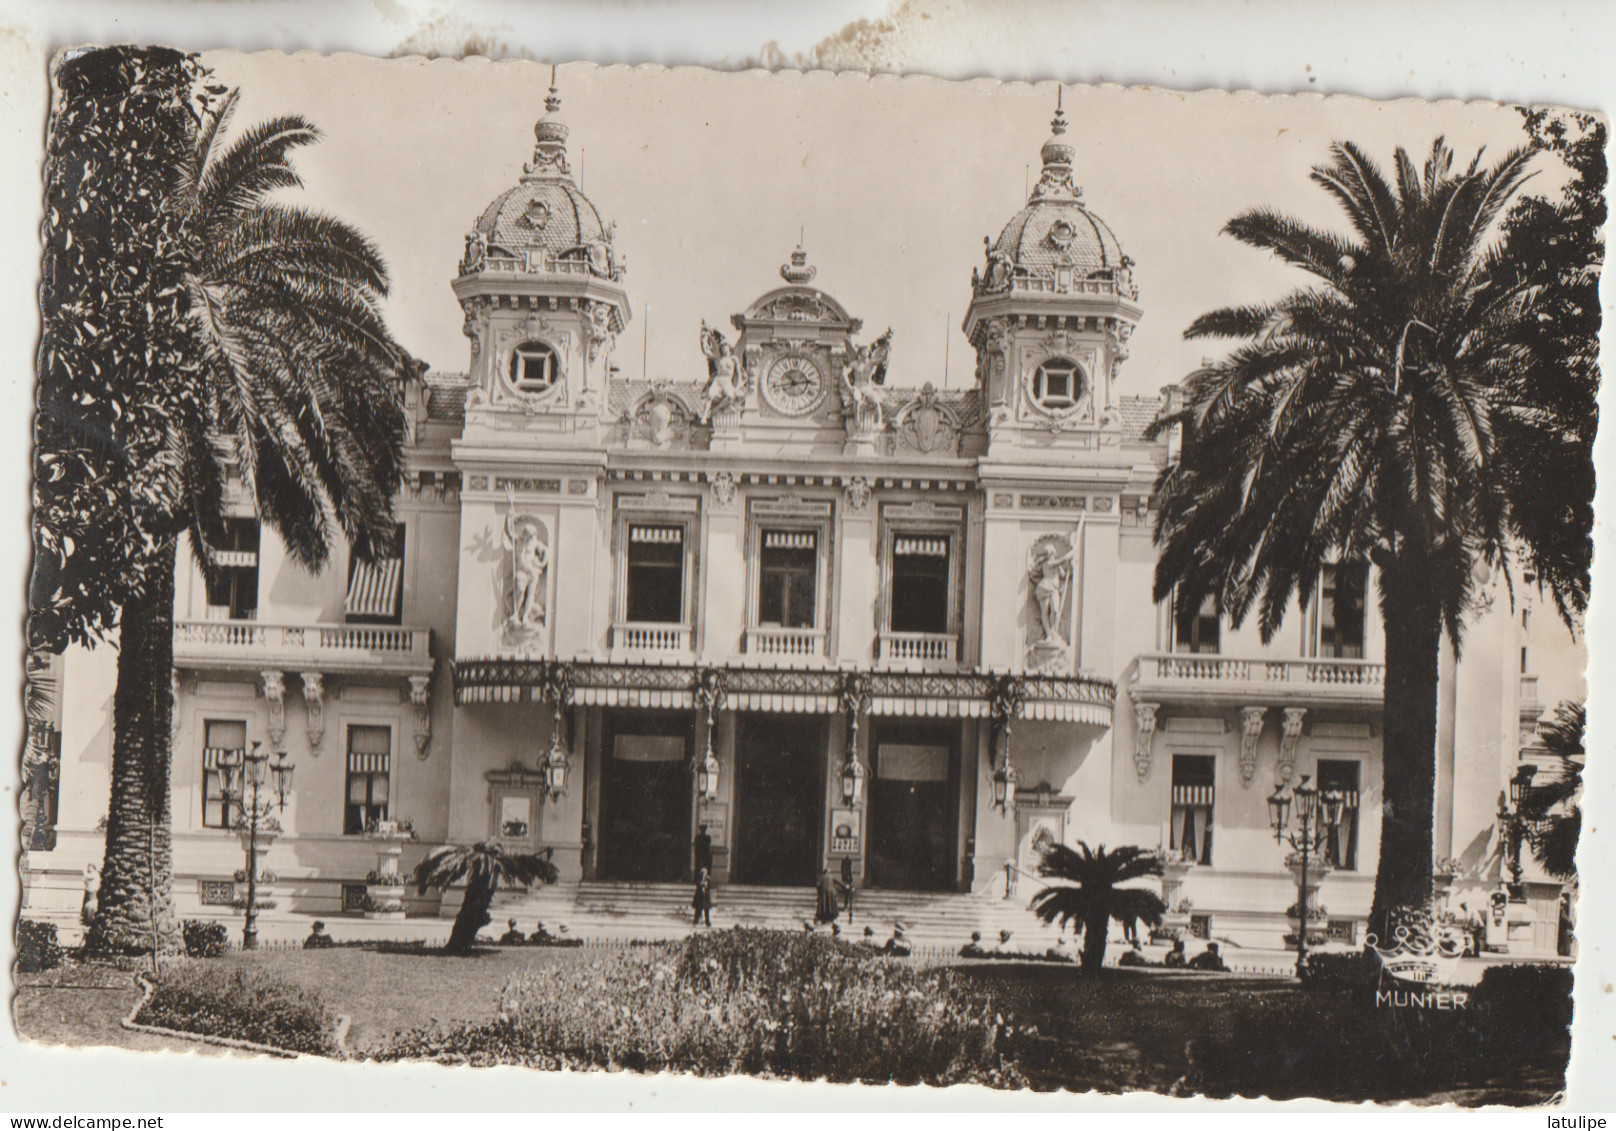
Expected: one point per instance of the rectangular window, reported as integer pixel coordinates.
(1196, 628)
(788, 569)
(656, 575)
(920, 583)
(1341, 845)
(376, 589)
(1191, 828)
(233, 592)
(221, 737)
(1341, 610)
(369, 755)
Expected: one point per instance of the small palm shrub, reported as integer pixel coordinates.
(764, 1003)
(205, 938)
(37, 948)
(243, 1005)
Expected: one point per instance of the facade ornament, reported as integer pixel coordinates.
(855, 702)
(858, 494)
(925, 424)
(661, 420)
(314, 707)
(1251, 728)
(1009, 691)
(798, 272)
(1049, 576)
(724, 489)
(527, 545)
(420, 695)
(275, 696)
(476, 250)
(726, 382)
(864, 373)
(1290, 731)
(1144, 721)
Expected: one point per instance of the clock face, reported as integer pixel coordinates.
(794, 386)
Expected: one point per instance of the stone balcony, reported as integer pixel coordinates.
(1233, 681)
(931, 651)
(771, 644)
(254, 646)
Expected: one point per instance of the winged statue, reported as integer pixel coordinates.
(726, 383)
(865, 370)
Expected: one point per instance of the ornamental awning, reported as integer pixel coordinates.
(373, 588)
(1082, 699)
(921, 547)
(788, 540)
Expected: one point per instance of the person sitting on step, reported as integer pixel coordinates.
(541, 935)
(512, 937)
(973, 949)
(1176, 958)
(318, 939)
(1134, 956)
(897, 945)
(1208, 959)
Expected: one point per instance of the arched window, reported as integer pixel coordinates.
(535, 367)
(1058, 384)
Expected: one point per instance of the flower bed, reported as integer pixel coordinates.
(243, 1005)
(759, 1002)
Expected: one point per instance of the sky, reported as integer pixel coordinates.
(891, 182)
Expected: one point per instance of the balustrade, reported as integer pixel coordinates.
(631, 636)
(773, 641)
(922, 647)
(253, 642)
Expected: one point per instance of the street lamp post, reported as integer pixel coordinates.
(1510, 813)
(244, 782)
(1318, 815)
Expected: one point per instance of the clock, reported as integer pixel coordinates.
(794, 386)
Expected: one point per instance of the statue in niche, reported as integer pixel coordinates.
(725, 382)
(526, 538)
(865, 371)
(1049, 577)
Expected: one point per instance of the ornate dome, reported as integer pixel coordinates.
(1055, 235)
(546, 210)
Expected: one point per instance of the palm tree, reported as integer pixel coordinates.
(1553, 804)
(484, 867)
(1378, 416)
(295, 395)
(1094, 896)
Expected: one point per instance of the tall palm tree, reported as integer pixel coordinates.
(296, 398)
(484, 867)
(1379, 415)
(1553, 804)
(1094, 895)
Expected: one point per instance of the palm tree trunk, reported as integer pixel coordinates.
(135, 914)
(1095, 930)
(472, 917)
(1413, 644)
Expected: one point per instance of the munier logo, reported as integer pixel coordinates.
(1423, 999)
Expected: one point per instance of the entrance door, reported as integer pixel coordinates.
(646, 796)
(779, 799)
(914, 807)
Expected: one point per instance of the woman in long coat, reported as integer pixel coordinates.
(830, 904)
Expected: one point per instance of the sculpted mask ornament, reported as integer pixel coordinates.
(314, 706)
(724, 489)
(1290, 731)
(858, 494)
(1144, 719)
(662, 419)
(1251, 728)
(275, 696)
(420, 696)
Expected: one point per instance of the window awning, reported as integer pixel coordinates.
(360, 762)
(373, 588)
(1192, 795)
(788, 540)
(674, 534)
(921, 547)
(213, 756)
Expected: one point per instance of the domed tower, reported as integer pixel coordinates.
(1051, 314)
(542, 291)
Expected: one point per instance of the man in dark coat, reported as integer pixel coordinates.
(704, 850)
(702, 901)
(829, 905)
(1208, 959)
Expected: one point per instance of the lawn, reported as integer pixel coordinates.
(1122, 1030)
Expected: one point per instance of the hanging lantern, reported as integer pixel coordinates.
(707, 776)
(1520, 785)
(256, 764)
(282, 773)
(852, 781)
(1333, 803)
(1306, 798)
(1004, 786)
(555, 769)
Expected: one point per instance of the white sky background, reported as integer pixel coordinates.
(1517, 50)
(710, 177)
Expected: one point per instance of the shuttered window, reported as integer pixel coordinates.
(1190, 830)
(220, 738)
(367, 788)
(1341, 844)
(920, 583)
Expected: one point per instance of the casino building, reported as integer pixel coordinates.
(803, 598)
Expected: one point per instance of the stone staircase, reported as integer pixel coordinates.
(603, 910)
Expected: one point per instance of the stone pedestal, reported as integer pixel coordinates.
(384, 888)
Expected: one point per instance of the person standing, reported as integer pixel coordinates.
(92, 890)
(829, 906)
(846, 887)
(702, 901)
(704, 851)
